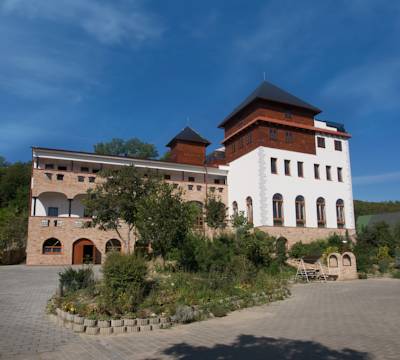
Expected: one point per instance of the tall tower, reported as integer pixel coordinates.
(288, 171)
(188, 147)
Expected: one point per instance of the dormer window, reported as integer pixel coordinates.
(84, 169)
(191, 179)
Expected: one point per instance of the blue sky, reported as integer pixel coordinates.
(73, 72)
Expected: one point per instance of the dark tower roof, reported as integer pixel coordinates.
(189, 135)
(270, 92)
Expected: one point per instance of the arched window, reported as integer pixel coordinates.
(249, 207)
(340, 213)
(333, 261)
(199, 224)
(52, 246)
(300, 211)
(277, 207)
(321, 212)
(346, 260)
(113, 245)
(235, 208)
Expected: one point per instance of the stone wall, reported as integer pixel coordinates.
(305, 235)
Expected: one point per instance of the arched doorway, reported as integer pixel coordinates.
(85, 252)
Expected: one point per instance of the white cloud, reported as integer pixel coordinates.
(113, 22)
(369, 87)
(377, 179)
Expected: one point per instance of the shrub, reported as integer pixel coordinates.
(72, 280)
(258, 247)
(218, 309)
(396, 274)
(186, 314)
(123, 282)
(383, 258)
(313, 249)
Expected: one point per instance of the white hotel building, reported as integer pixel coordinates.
(289, 172)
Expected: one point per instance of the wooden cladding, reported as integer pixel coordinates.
(188, 153)
(267, 135)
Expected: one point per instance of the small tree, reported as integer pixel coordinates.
(164, 219)
(240, 223)
(114, 201)
(215, 212)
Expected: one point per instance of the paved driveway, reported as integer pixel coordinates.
(337, 320)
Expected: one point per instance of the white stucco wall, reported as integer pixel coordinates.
(251, 175)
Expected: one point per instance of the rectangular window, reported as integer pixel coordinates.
(321, 142)
(191, 179)
(84, 169)
(241, 143)
(49, 166)
(92, 179)
(287, 167)
(198, 187)
(81, 178)
(316, 171)
(62, 168)
(216, 181)
(274, 168)
(300, 172)
(52, 211)
(190, 187)
(167, 177)
(95, 171)
(273, 134)
(249, 137)
(338, 145)
(60, 177)
(289, 136)
(328, 173)
(340, 174)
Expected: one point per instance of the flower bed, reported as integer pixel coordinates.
(80, 324)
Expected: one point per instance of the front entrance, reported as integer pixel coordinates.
(85, 252)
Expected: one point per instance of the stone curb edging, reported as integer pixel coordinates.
(87, 326)
(80, 324)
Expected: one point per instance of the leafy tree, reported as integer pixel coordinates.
(215, 212)
(164, 219)
(114, 202)
(14, 185)
(3, 162)
(370, 208)
(166, 156)
(240, 223)
(132, 147)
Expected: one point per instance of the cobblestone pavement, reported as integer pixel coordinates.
(338, 320)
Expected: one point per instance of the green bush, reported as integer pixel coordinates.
(313, 249)
(72, 280)
(396, 274)
(258, 247)
(123, 282)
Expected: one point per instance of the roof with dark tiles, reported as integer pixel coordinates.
(189, 135)
(270, 92)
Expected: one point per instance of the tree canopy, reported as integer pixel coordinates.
(114, 201)
(14, 199)
(132, 147)
(164, 218)
(371, 208)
